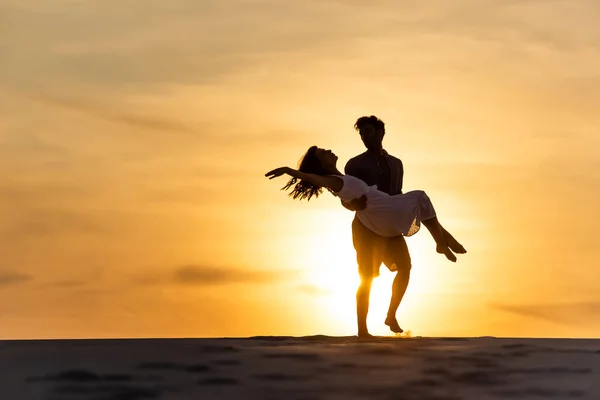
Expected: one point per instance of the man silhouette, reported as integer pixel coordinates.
(376, 167)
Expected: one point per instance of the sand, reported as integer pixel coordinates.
(317, 367)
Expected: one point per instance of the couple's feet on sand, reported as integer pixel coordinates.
(389, 321)
(450, 247)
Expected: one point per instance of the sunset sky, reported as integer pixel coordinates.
(135, 135)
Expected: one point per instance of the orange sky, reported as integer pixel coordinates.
(134, 141)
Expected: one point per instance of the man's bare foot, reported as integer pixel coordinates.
(453, 243)
(365, 335)
(393, 324)
(445, 250)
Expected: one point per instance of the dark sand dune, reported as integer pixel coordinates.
(316, 367)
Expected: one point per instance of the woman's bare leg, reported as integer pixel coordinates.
(452, 242)
(435, 229)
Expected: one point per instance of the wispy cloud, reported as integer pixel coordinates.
(10, 278)
(48, 222)
(189, 42)
(97, 110)
(119, 45)
(207, 275)
(583, 313)
(65, 284)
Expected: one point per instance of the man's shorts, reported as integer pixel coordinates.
(372, 250)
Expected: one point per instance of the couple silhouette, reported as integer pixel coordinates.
(372, 187)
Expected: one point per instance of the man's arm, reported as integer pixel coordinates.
(350, 168)
(399, 175)
(358, 203)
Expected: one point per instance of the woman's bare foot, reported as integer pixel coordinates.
(392, 322)
(453, 243)
(456, 247)
(445, 250)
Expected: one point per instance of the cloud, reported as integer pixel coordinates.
(50, 222)
(188, 42)
(40, 194)
(580, 313)
(120, 46)
(9, 278)
(207, 275)
(37, 207)
(68, 284)
(117, 47)
(97, 110)
(204, 275)
(187, 136)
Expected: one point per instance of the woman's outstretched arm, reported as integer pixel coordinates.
(331, 182)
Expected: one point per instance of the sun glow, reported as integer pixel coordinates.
(330, 271)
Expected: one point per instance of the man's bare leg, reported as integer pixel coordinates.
(362, 305)
(398, 290)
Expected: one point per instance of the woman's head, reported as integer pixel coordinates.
(316, 161)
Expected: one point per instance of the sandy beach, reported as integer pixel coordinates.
(306, 368)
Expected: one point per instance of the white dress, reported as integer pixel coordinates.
(387, 215)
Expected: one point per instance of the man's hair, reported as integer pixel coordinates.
(372, 120)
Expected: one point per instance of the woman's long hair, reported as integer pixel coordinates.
(310, 164)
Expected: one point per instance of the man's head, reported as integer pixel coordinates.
(371, 130)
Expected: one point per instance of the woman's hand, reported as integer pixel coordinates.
(277, 172)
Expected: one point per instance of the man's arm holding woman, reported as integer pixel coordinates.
(359, 203)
